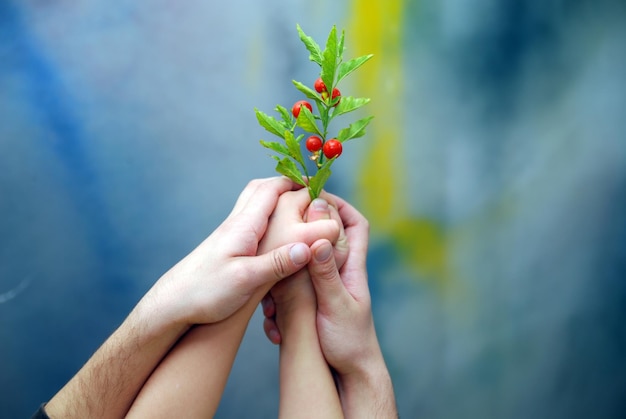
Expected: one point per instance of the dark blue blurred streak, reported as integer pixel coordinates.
(492, 58)
(57, 115)
(57, 112)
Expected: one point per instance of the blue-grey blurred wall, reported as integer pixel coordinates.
(494, 178)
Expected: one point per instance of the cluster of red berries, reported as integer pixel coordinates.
(332, 147)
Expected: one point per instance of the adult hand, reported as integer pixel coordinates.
(343, 301)
(224, 271)
(344, 315)
(322, 208)
(344, 321)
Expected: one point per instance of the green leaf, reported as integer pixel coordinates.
(355, 130)
(293, 147)
(324, 111)
(311, 45)
(341, 47)
(330, 59)
(270, 123)
(277, 147)
(287, 167)
(286, 115)
(310, 93)
(317, 182)
(307, 122)
(349, 66)
(349, 104)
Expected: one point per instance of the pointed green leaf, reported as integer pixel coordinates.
(288, 168)
(310, 93)
(294, 147)
(307, 122)
(270, 123)
(311, 45)
(317, 182)
(324, 111)
(349, 104)
(330, 60)
(349, 66)
(277, 147)
(286, 115)
(341, 47)
(355, 130)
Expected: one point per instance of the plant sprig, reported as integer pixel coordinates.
(330, 104)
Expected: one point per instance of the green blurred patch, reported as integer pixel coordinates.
(422, 245)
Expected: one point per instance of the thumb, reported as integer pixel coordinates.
(318, 210)
(329, 288)
(282, 262)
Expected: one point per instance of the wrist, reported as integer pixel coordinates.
(367, 392)
(363, 373)
(291, 316)
(157, 318)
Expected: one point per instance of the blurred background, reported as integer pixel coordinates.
(493, 176)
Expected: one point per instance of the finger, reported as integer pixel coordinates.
(309, 233)
(293, 205)
(265, 190)
(357, 233)
(320, 209)
(269, 307)
(246, 192)
(317, 210)
(271, 331)
(278, 263)
(269, 323)
(258, 204)
(328, 286)
(356, 230)
(328, 197)
(296, 207)
(342, 246)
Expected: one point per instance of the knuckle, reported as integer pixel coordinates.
(253, 183)
(365, 223)
(279, 264)
(325, 271)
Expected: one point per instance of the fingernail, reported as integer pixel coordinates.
(323, 252)
(274, 337)
(320, 204)
(299, 254)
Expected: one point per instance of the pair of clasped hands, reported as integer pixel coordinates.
(306, 262)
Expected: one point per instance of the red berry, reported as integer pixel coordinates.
(319, 86)
(299, 104)
(313, 143)
(332, 148)
(336, 94)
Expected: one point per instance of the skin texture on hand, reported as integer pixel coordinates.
(214, 281)
(224, 271)
(345, 324)
(307, 387)
(192, 377)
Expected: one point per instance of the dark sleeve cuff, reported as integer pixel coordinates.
(40, 413)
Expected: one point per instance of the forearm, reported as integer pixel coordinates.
(192, 377)
(108, 383)
(307, 386)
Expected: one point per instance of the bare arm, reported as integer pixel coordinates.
(106, 385)
(192, 377)
(345, 324)
(307, 387)
(214, 281)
